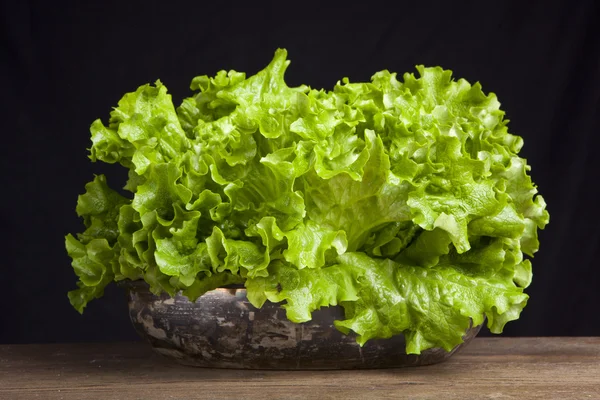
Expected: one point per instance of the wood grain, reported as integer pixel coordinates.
(489, 368)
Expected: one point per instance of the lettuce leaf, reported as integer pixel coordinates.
(404, 201)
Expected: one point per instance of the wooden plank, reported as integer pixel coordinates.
(489, 368)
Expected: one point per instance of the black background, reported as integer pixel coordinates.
(65, 64)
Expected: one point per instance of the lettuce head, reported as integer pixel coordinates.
(402, 200)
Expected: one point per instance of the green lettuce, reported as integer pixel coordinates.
(403, 201)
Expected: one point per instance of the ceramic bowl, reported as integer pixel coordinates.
(223, 330)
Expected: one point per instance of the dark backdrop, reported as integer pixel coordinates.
(65, 64)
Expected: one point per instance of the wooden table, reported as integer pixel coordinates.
(489, 368)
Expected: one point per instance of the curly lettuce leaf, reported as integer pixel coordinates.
(94, 252)
(432, 307)
(304, 290)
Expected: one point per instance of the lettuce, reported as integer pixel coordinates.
(403, 201)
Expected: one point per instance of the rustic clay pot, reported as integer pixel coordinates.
(223, 330)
